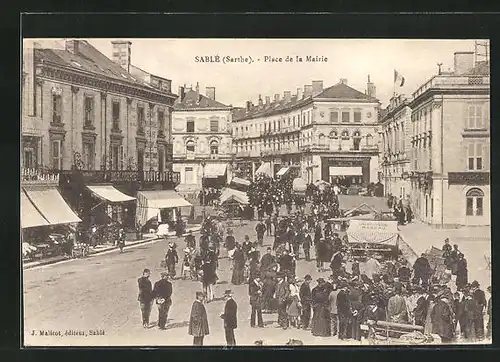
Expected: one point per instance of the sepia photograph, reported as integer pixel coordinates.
(255, 192)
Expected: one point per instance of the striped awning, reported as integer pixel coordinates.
(265, 168)
(282, 171)
(30, 216)
(51, 205)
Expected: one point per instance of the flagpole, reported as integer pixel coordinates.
(394, 84)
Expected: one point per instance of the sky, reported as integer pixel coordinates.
(235, 83)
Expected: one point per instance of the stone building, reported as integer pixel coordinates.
(81, 111)
(395, 135)
(201, 135)
(450, 146)
(322, 134)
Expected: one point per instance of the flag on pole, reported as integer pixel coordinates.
(398, 78)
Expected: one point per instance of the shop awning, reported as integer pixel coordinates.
(30, 217)
(109, 193)
(229, 194)
(51, 205)
(240, 181)
(373, 232)
(149, 203)
(214, 170)
(346, 171)
(299, 185)
(282, 171)
(265, 168)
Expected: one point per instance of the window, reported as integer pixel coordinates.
(116, 157)
(474, 202)
(474, 117)
(116, 116)
(89, 111)
(189, 175)
(345, 135)
(356, 142)
(29, 158)
(190, 126)
(161, 121)
(88, 155)
(140, 118)
(190, 147)
(345, 117)
(475, 157)
(214, 148)
(369, 139)
(161, 159)
(56, 108)
(56, 154)
(214, 125)
(334, 116)
(357, 116)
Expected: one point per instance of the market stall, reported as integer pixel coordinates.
(377, 237)
(234, 203)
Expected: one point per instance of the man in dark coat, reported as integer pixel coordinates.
(447, 253)
(266, 261)
(305, 300)
(255, 291)
(480, 299)
(190, 240)
(343, 310)
(306, 245)
(421, 270)
(420, 311)
(286, 264)
(230, 318)
(442, 319)
(260, 229)
(230, 243)
(145, 297)
(268, 225)
(198, 321)
(489, 326)
(246, 246)
(461, 272)
(162, 291)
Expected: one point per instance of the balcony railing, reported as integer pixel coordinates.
(111, 176)
(39, 176)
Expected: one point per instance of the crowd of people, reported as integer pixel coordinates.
(357, 291)
(209, 196)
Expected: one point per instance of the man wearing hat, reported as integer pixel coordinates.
(480, 299)
(305, 300)
(246, 246)
(332, 298)
(162, 291)
(171, 259)
(229, 317)
(190, 240)
(488, 326)
(145, 297)
(198, 321)
(255, 291)
(230, 243)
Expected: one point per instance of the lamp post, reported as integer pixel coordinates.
(203, 164)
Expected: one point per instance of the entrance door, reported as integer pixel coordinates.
(189, 175)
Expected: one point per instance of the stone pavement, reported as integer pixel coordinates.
(473, 242)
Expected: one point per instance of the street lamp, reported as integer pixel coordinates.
(203, 164)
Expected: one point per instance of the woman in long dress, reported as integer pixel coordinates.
(321, 315)
(462, 272)
(238, 276)
(294, 307)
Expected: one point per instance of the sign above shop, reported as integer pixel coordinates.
(468, 178)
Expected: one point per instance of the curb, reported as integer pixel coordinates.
(47, 262)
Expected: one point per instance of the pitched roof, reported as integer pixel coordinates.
(343, 91)
(89, 59)
(194, 100)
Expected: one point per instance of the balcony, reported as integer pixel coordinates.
(39, 176)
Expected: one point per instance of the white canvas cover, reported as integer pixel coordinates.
(229, 194)
(373, 232)
(149, 203)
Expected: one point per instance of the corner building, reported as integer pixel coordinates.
(450, 146)
(321, 133)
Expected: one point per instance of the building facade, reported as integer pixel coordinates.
(325, 133)
(396, 147)
(450, 146)
(83, 111)
(201, 135)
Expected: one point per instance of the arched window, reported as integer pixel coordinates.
(474, 202)
(345, 134)
(333, 134)
(356, 140)
(369, 139)
(214, 147)
(190, 147)
(321, 139)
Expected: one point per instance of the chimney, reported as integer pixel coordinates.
(249, 106)
(210, 93)
(277, 97)
(317, 86)
(72, 46)
(343, 81)
(299, 93)
(464, 62)
(197, 88)
(371, 90)
(268, 101)
(308, 89)
(261, 103)
(29, 71)
(287, 96)
(122, 53)
(182, 93)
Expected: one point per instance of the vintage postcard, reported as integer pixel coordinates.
(243, 192)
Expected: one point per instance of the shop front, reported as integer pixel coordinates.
(346, 171)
